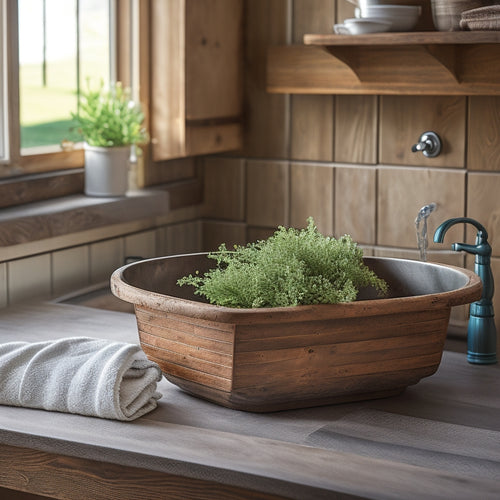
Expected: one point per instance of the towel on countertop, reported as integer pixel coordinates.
(94, 377)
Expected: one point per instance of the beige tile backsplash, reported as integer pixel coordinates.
(483, 204)
(355, 203)
(54, 274)
(3, 284)
(401, 194)
(70, 269)
(267, 193)
(404, 118)
(29, 278)
(141, 245)
(311, 195)
(105, 257)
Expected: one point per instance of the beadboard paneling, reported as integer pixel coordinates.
(403, 119)
(311, 195)
(483, 145)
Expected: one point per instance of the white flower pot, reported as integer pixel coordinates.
(106, 170)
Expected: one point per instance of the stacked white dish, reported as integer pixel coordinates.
(361, 26)
(373, 17)
(401, 17)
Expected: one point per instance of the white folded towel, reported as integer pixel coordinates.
(94, 377)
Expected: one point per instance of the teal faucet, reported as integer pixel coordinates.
(481, 331)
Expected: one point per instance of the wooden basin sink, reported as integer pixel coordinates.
(292, 357)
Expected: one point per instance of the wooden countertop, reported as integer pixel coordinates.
(439, 439)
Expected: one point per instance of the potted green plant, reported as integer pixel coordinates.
(110, 123)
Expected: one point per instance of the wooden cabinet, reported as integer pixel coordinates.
(417, 63)
(196, 76)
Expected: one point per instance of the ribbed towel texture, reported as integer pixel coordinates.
(94, 377)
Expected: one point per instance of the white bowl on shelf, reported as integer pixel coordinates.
(401, 17)
(362, 26)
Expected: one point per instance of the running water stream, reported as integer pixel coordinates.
(421, 228)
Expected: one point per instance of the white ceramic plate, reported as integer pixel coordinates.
(366, 25)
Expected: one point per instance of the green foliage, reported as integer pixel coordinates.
(292, 267)
(108, 118)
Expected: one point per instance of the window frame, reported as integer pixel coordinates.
(50, 158)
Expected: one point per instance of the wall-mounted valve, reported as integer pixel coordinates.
(429, 143)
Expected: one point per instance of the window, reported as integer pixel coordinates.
(3, 89)
(50, 49)
(61, 44)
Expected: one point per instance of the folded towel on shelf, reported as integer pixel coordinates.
(481, 19)
(94, 377)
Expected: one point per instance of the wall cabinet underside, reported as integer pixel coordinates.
(426, 63)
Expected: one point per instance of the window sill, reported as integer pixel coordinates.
(77, 219)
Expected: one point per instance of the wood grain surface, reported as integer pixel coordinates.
(437, 440)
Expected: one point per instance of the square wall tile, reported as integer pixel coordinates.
(224, 188)
(402, 192)
(29, 278)
(267, 193)
(403, 119)
(355, 203)
(267, 115)
(105, 257)
(140, 245)
(311, 195)
(483, 145)
(483, 204)
(312, 16)
(259, 233)
(311, 127)
(183, 238)
(215, 233)
(356, 129)
(3, 284)
(70, 270)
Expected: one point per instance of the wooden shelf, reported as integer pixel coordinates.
(429, 63)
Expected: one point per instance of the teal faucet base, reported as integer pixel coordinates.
(481, 338)
(481, 331)
(477, 358)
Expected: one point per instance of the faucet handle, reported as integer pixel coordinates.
(429, 143)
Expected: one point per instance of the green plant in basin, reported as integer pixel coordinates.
(292, 267)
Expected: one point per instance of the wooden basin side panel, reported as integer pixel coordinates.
(375, 354)
(200, 351)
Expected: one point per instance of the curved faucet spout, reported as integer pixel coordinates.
(481, 331)
(443, 228)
